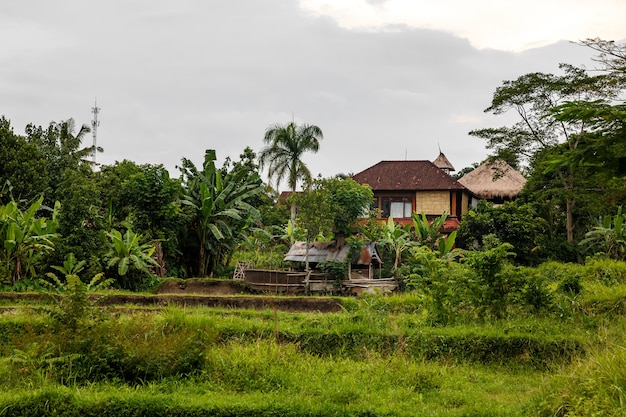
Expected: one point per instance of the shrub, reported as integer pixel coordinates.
(489, 290)
(571, 285)
(484, 285)
(606, 271)
(442, 282)
(529, 289)
(72, 304)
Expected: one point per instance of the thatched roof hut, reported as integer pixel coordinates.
(494, 181)
(443, 163)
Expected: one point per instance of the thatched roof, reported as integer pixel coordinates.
(442, 163)
(494, 179)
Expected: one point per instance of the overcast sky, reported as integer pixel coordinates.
(383, 79)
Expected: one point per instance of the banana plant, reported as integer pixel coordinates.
(25, 238)
(129, 253)
(428, 233)
(446, 244)
(609, 236)
(222, 211)
(72, 301)
(399, 239)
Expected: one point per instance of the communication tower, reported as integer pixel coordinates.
(94, 130)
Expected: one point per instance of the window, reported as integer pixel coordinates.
(396, 207)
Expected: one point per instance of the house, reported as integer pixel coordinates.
(403, 187)
(494, 181)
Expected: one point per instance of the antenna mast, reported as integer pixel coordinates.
(94, 129)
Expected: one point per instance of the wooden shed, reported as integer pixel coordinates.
(365, 262)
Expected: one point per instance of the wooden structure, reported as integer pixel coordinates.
(240, 270)
(360, 273)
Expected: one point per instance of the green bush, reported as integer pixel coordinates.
(571, 285)
(557, 271)
(441, 282)
(530, 290)
(606, 271)
(484, 286)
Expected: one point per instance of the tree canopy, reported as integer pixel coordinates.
(569, 137)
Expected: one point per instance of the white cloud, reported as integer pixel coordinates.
(503, 25)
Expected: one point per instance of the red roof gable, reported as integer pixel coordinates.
(407, 176)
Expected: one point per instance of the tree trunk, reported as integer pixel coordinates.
(201, 261)
(568, 184)
(569, 208)
(293, 214)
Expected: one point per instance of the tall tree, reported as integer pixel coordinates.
(598, 156)
(70, 140)
(602, 145)
(534, 97)
(62, 142)
(285, 146)
(611, 57)
(22, 166)
(79, 221)
(333, 205)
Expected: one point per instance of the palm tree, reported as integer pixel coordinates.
(70, 143)
(285, 145)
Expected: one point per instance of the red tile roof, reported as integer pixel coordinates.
(407, 176)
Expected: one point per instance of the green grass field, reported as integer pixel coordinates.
(377, 357)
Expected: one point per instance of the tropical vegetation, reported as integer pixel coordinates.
(518, 312)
